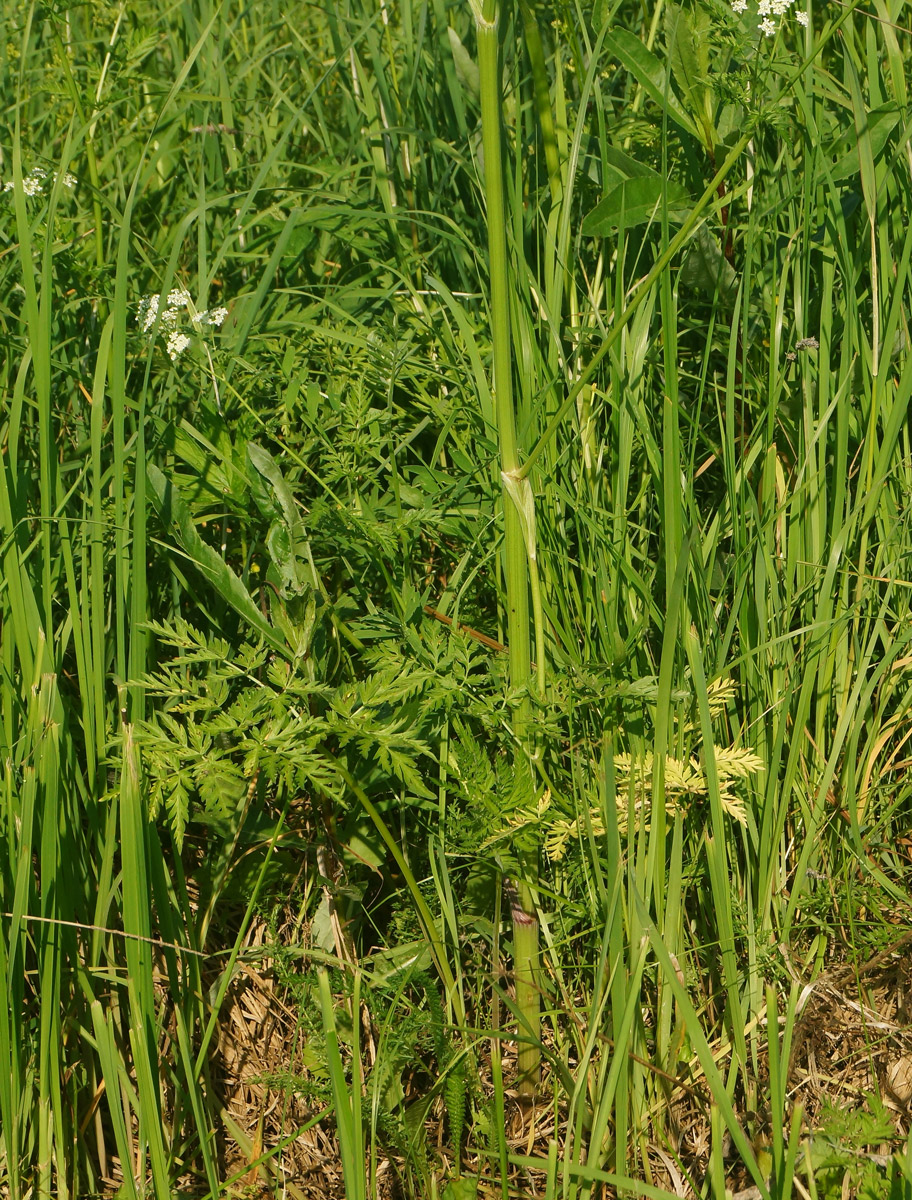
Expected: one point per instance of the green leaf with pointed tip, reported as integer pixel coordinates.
(863, 136)
(286, 541)
(466, 67)
(649, 73)
(879, 123)
(634, 202)
(176, 515)
(282, 552)
(263, 462)
(625, 167)
(687, 39)
(706, 268)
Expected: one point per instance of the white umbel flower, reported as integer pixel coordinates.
(32, 184)
(177, 343)
(802, 18)
(147, 313)
(768, 25)
(176, 318)
(39, 180)
(211, 316)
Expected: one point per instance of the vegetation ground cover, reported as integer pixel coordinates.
(454, 615)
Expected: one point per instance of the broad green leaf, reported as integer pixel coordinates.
(706, 268)
(281, 551)
(175, 514)
(363, 842)
(391, 961)
(214, 468)
(687, 39)
(466, 67)
(263, 462)
(625, 166)
(634, 202)
(650, 74)
(285, 540)
(321, 929)
(879, 123)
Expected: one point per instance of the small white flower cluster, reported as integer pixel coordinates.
(149, 308)
(768, 10)
(176, 344)
(37, 181)
(212, 316)
(178, 300)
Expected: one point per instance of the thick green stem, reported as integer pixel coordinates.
(516, 557)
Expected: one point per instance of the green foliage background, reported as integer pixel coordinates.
(241, 589)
